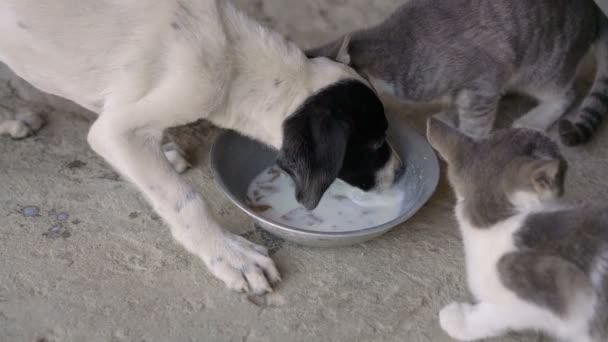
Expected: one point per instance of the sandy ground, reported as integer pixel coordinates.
(96, 264)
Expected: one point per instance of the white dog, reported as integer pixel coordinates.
(145, 65)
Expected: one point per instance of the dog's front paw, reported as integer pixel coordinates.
(452, 319)
(243, 266)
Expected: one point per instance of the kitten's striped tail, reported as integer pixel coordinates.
(594, 108)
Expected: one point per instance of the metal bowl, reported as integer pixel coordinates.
(236, 160)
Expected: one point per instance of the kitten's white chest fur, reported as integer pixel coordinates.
(499, 308)
(485, 246)
(483, 249)
(532, 263)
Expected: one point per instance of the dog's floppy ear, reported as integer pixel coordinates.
(314, 145)
(337, 50)
(445, 139)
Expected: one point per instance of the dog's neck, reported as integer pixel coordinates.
(272, 78)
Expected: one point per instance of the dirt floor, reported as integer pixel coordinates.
(84, 258)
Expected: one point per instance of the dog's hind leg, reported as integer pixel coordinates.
(130, 143)
(24, 124)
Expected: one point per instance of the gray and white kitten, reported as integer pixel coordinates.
(474, 51)
(531, 263)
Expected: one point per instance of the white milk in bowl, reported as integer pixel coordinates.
(343, 208)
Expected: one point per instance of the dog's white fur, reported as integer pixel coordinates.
(144, 66)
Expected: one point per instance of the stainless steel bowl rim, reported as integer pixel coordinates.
(353, 233)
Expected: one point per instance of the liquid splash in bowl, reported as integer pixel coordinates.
(343, 208)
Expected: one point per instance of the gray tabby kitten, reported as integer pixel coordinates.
(532, 264)
(473, 51)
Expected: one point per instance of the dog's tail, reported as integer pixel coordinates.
(594, 108)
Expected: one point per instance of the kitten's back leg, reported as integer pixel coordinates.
(594, 108)
(553, 105)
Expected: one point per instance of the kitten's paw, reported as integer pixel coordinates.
(33, 120)
(243, 266)
(532, 124)
(573, 134)
(176, 156)
(15, 129)
(452, 319)
(24, 125)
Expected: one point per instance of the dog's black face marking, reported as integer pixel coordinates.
(362, 161)
(337, 133)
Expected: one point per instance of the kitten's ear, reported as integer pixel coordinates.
(445, 139)
(343, 56)
(548, 177)
(337, 51)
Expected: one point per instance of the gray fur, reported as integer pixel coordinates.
(476, 50)
(570, 242)
(485, 172)
(545, 280)
(560, 255)
(599, 324)
(577, 235)
(595, 106)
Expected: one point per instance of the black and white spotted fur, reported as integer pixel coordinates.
(474, 51)
(144, 66)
